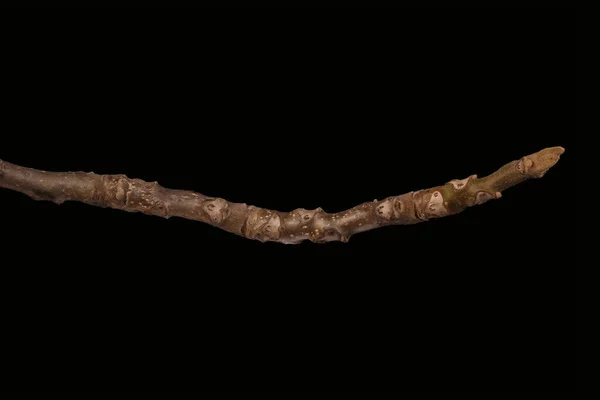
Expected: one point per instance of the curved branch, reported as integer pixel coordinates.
(135, 195)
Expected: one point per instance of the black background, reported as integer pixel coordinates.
(284, 110)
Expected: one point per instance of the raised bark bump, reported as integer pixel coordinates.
(483, 197)
(435, 207)
(216, 209)
(459, 184)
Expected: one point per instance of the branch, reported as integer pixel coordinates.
(135, 195)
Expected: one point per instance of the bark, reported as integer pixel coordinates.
(135, 195)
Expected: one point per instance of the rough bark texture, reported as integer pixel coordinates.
(135, 195)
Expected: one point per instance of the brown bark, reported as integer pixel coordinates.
(135, 195)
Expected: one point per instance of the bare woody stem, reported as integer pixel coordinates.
(135, 195)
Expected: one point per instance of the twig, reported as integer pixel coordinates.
(135, 195)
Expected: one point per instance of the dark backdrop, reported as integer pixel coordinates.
(323, 109)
